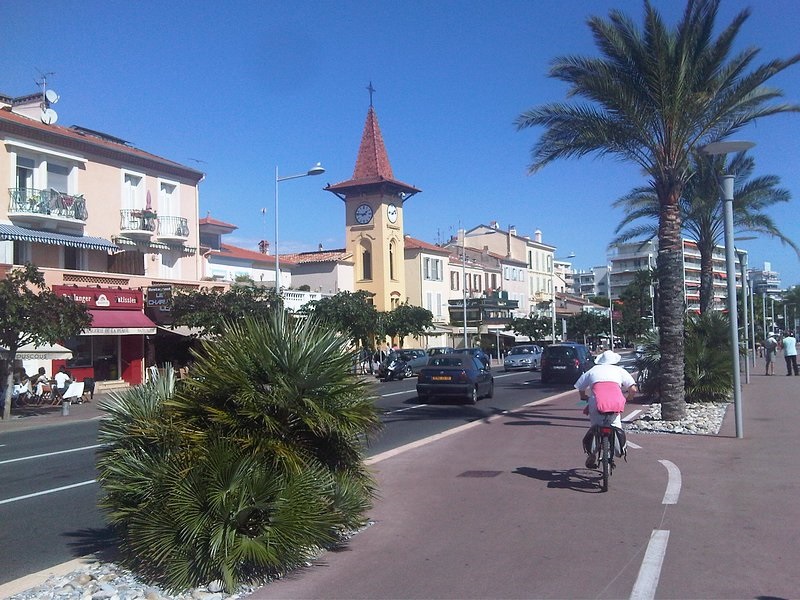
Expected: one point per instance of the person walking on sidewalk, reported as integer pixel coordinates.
(770, 348)
(789, 344)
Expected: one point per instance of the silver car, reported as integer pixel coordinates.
(523, 358)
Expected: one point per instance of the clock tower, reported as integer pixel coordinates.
(373, 201)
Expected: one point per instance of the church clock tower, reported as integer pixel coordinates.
(373, 201)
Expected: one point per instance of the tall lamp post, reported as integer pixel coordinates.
(743, 268)
(315, 170)
(723, 148)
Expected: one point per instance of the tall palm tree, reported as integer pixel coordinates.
(652, 97)
(702, 216)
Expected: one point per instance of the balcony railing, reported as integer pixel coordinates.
(173, 227)
(47, 203)
(137, 220)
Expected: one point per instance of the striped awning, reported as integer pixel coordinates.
(21, 234)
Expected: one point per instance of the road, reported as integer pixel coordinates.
(48, 493)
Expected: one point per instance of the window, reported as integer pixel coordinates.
(432, 269)
(74, 259)
(57, 177)
(454, 279)
(25, 168)
(366, 263)
(168, 199)
(131, 191)
(22, 253)
(391, 261)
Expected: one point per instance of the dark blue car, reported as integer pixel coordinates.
(455, 375)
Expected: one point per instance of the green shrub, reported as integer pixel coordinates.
(707, 368)
(247, 468)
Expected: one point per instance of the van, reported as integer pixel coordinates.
(565, 362)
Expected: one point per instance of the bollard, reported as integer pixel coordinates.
(65, 408)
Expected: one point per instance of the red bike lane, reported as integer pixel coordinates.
(501, 509)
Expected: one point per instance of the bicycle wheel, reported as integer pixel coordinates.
(605, 461)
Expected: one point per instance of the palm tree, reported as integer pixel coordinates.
(702, 216)
(652, 97)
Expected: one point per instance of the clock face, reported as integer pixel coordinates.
(364, 214)
(391, 212)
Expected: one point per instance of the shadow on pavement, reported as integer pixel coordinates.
(576, 480)
(103, 543)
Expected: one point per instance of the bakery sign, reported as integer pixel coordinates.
(100, 298)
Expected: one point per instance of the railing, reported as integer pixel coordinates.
(173, 227)
(48, 203)
(136, 219)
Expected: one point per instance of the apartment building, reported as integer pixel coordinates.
(103, 220)
(625, 260)
(766, 281)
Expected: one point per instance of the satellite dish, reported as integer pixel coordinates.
(51, 96)
(49, 116)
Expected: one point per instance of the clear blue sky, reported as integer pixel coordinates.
(245, 86)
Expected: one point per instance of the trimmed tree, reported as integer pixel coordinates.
(407, 320)
(30, 313)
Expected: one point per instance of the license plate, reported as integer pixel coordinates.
(559, 367)
(440, 378)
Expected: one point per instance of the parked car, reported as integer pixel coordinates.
(421, 361)
(459, 375)
(407, 355)
(565, 362)
(526, 358)
(480, 355)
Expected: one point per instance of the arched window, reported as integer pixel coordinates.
(391, 261)
(366, 261)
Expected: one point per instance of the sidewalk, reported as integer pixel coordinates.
(28, 417)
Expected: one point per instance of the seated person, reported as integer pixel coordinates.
(38, 381)
(62, 381)
(22, 388)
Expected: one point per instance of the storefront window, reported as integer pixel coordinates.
(100, 352)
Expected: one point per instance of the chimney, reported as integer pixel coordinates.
(493, 224)
(320, 246)
(512, 229)
(537, 236)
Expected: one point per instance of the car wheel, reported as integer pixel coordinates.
(408, 372)
(490, 394)
(535, 365)
(473, 395)
(506, 370)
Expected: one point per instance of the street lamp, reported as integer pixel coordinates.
(723, 148)
(743, 268)
(315, 170)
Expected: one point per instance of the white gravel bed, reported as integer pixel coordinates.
(704, 418)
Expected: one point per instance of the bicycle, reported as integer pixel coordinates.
(604, 438)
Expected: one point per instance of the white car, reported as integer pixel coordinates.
(523, 358)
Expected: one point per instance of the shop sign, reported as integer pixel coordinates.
(158, 304)
(102, 297)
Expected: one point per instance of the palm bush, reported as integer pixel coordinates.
(249, 467)
(707, 370)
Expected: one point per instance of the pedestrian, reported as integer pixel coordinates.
(770, 348)
(789, 345)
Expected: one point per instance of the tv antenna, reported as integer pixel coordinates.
(49, 96)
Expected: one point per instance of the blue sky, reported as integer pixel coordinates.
(235, 89)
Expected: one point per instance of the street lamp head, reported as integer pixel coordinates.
(727, 147)
(317, 169)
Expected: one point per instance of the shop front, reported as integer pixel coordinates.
(113, 347)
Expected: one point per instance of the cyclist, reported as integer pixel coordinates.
(608, 386)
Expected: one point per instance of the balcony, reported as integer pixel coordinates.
(137, 222)
(173, 228)
(49, 209)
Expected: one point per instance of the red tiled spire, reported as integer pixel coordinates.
(372, 159)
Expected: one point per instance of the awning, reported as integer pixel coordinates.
(43, 352)
(119, 322)
(20, 234)
(182, 330)
(518, 339)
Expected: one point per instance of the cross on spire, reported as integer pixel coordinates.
(371, 91)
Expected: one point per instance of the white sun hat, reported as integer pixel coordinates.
(609, 357)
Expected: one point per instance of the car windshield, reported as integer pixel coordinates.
(445, 361)
(560, 352)
(521, 350)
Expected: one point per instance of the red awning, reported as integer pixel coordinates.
(120, 322)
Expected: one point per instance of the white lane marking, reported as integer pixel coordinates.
(634, 446)
(13, 460)
(50, 491)
(629, 417)
(647, 581)
(399, 410)
(673, 483)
